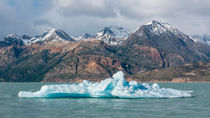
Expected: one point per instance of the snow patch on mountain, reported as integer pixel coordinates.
(159, 28)
(13, 39)
(84, 37)
(117, 32)
(111, 35)
(13, 36)
(205, 38)
(52, 35)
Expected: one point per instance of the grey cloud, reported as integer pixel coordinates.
(80, 16)
(10, 22)
(88, 8)
(13, 20)
(39, 22)
(179, 13)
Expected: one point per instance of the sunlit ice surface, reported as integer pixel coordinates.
(115, 87)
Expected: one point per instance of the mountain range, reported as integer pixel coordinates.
(55, 56)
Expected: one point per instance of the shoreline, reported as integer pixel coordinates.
(99, 81)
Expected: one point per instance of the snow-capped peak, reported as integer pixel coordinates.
(48, 33)
(117, 32)
(56, 35)
(13, 39)
(13, 36)
(149, 23)
(52, 34)
(50, 30)
(112, 35)
(160, 27)
(84, 36)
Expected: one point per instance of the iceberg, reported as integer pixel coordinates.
(115, 87)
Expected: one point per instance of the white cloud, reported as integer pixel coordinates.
(80, 16)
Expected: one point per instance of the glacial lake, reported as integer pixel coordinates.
(11, 106)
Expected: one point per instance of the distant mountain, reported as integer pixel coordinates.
(52, 35)
(114, 31)
(85, 36)
(48, 36)
(111, 35)
(202, 38)
(55, 56)
(13, 39)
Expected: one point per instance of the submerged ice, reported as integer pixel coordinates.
(115, 87)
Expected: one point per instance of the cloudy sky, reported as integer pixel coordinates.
(79, 16)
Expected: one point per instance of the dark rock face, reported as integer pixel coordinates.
(26, 37)
(86, 35)
(108, 31)
(152, 47)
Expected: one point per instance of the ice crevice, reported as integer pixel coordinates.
(115, 87)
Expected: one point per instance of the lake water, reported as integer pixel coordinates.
(13, 107)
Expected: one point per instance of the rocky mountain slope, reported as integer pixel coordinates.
(194, 72)
(173, 46)
(55, 56)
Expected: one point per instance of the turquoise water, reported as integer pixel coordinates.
(13, 107)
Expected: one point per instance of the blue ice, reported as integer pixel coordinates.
(115, 87)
